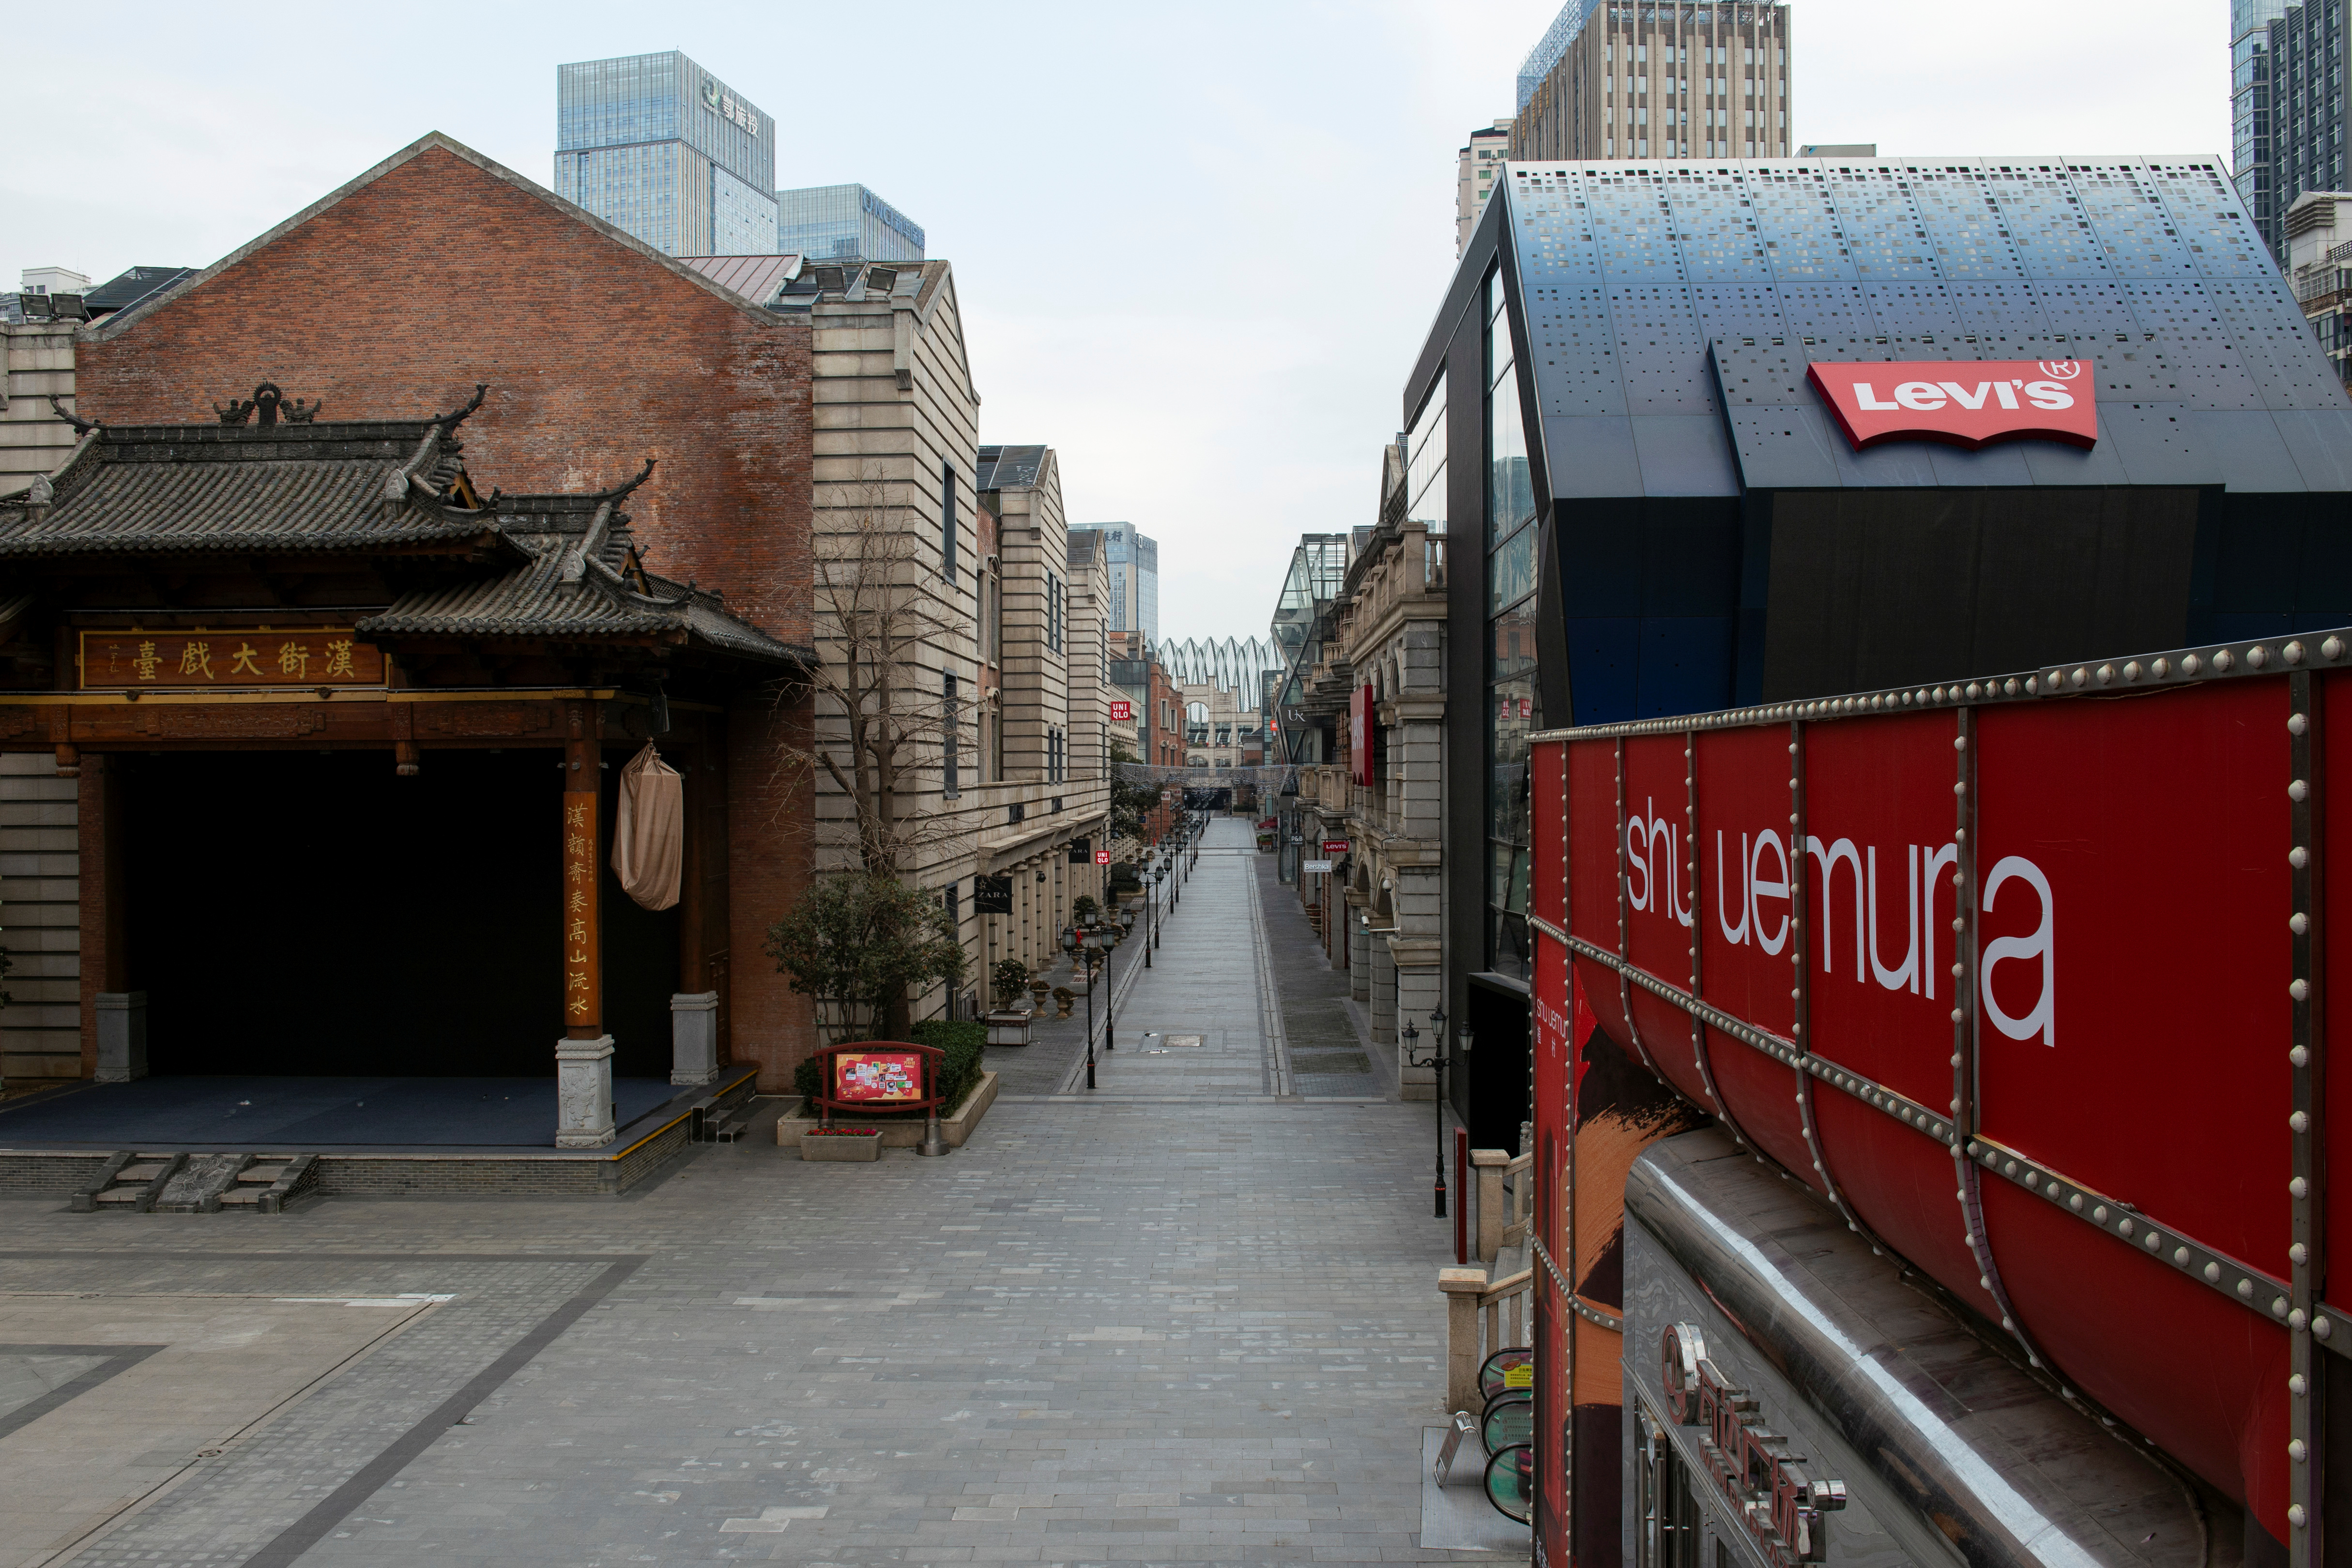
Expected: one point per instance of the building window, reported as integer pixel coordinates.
(954, 906)
(1053, 612)
(1511, 662)
(948, 739)
(947, 521)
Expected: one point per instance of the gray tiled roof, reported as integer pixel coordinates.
(568, 566)
(174, 489)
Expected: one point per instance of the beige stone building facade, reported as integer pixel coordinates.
(1384, 796)
(1651, 82)
(1013, 784)
(1477, 166)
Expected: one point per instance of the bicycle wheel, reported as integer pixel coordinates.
(1509, 1420)
(1511, 1481)
(1511, 1368)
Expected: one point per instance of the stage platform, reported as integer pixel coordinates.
(369, 1135)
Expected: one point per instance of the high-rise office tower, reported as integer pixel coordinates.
(1134, 562)
(2250, 111)
(1696, 81)
(1480, 159)
(2304, 53)
(657, 146)
(826, 223)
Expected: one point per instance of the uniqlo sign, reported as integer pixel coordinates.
(1122, 713)
(1969, 404)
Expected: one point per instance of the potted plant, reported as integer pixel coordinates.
(1038, 990)
(1082, 909)
(842, 1144)
(1009, 1024)
(1062, 997)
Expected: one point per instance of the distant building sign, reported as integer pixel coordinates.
(1102, 857)
(727, 106)
(1122, 713)
(1324, 866)
(1967, 403)
(250, 656)
(1335, 846)
(991, 895)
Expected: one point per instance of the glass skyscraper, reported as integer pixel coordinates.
(845, 221)
(2250, 112)
(2297, 61)
(657, 146)
(1134, 560)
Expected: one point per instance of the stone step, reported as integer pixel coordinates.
(250, 1194)
(196, 1187)
(140, 1173)
(263, 1175)
(122, 1193)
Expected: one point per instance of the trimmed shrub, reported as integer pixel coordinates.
(958, 1074)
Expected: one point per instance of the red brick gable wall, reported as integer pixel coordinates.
(439, 274)
(397, 299)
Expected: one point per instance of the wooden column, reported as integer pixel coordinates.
(584, 979)
(583, 1057)
(113, 1017)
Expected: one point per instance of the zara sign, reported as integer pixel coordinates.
(1967, 403)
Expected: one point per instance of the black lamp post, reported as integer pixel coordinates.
(1081, 949)
(1436, 1062)
(1151, 911)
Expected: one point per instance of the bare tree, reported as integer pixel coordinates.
(888, 716)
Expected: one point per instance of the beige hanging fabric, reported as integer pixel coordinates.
(649, 831)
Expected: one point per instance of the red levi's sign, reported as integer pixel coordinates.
(1969, 404)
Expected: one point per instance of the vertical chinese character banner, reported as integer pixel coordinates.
(583, 1003)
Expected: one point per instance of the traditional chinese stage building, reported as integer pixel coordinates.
(346, 723)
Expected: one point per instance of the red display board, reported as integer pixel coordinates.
(2025, 975)
(878, 1077)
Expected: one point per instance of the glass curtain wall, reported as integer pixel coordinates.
(1510, 645)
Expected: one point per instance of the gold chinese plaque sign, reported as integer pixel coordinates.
(584, 998)
(208, 657)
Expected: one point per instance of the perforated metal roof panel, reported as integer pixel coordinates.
(1651, 294)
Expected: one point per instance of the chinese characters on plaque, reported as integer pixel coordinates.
(581, 1001)
(254, 656)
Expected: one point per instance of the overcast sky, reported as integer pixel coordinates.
(1197, 246)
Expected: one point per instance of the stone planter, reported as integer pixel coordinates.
(1062, 998)
(1009, 1027)
(899, 1132)
(841, 1145)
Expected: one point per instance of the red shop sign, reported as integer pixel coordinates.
(1966, 403)
(1122, 713)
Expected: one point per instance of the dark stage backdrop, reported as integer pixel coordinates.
(315, 914)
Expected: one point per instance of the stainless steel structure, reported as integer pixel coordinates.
(1928, 1444)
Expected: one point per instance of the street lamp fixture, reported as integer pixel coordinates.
(1435, 1062)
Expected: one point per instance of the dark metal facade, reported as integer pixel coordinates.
(1708, 537)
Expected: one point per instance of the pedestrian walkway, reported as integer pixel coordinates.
(1190, 1319)
(1237, 999)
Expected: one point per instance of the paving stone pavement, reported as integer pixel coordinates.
(1190, 1319)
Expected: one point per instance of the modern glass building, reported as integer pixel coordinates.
(657, 146)
(1648, 510)
(829, 222)
(1134, 560)
(2296, 63)
(2250, 111)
